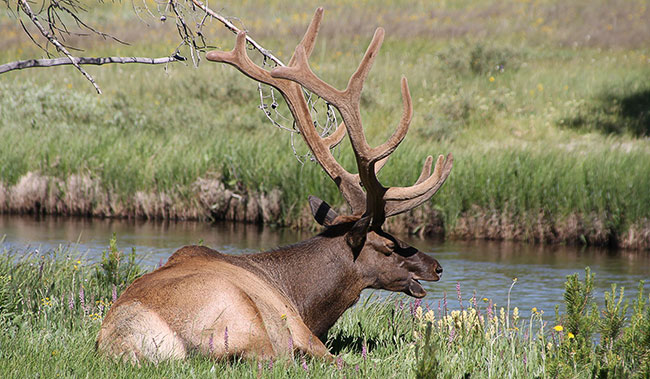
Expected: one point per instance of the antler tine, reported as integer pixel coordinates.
(396, 207)
(426, 170)
(335, 138)
(301, 73)
(440, 173)
(238, 58)
(355, 84)
(309, 39)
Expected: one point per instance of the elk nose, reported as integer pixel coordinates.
(439, 270)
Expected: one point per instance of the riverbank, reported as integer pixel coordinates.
(549, 131)
(208, 199)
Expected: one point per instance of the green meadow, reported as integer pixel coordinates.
(544, 105)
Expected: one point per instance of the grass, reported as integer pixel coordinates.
(549, 131)
(52, 304)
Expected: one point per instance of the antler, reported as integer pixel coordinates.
(378, 201)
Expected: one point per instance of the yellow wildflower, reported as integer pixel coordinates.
(485, 299)
(492, 79)
(534, 310)
(418, 313)
(558, 328)
(570, 335)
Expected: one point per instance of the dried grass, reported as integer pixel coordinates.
(574, 229)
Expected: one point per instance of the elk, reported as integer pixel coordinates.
(276, 302)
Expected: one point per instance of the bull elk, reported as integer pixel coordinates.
(275, 302)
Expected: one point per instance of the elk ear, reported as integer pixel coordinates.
(322, 212)
(356, 237)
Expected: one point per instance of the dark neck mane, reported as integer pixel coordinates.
(318, 275)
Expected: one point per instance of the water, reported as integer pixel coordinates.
(484, 268)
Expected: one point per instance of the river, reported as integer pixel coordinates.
(484, 268)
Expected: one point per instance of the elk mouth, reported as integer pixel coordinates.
(415, 289)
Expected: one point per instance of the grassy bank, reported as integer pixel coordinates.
(52, 304)
(549, 128)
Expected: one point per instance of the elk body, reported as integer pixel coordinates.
(272, 303)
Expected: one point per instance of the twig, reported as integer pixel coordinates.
(186, 34)
(236, 30)
(28, 11)
(29, 63)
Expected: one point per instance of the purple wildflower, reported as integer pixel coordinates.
(364, 350)
(304, 364)
(452, 334)
(114, 294)
(356, 368)
(71, 301)
(82, 299)
(160, 263)
(291, 344)
(458, 294)
(525, 360)
(225, 339)
(211, 343)
(339, 363)
(489, 310)
(271, 364)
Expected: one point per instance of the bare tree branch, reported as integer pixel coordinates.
(29, 63)
(50, 37)
(52, 27)
(236, 30)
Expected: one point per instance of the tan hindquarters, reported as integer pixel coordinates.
(205, 306)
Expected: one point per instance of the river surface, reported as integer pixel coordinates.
(484, 268)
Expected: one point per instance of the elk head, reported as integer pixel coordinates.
(393, 265)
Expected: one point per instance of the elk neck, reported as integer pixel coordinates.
(318, 275)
